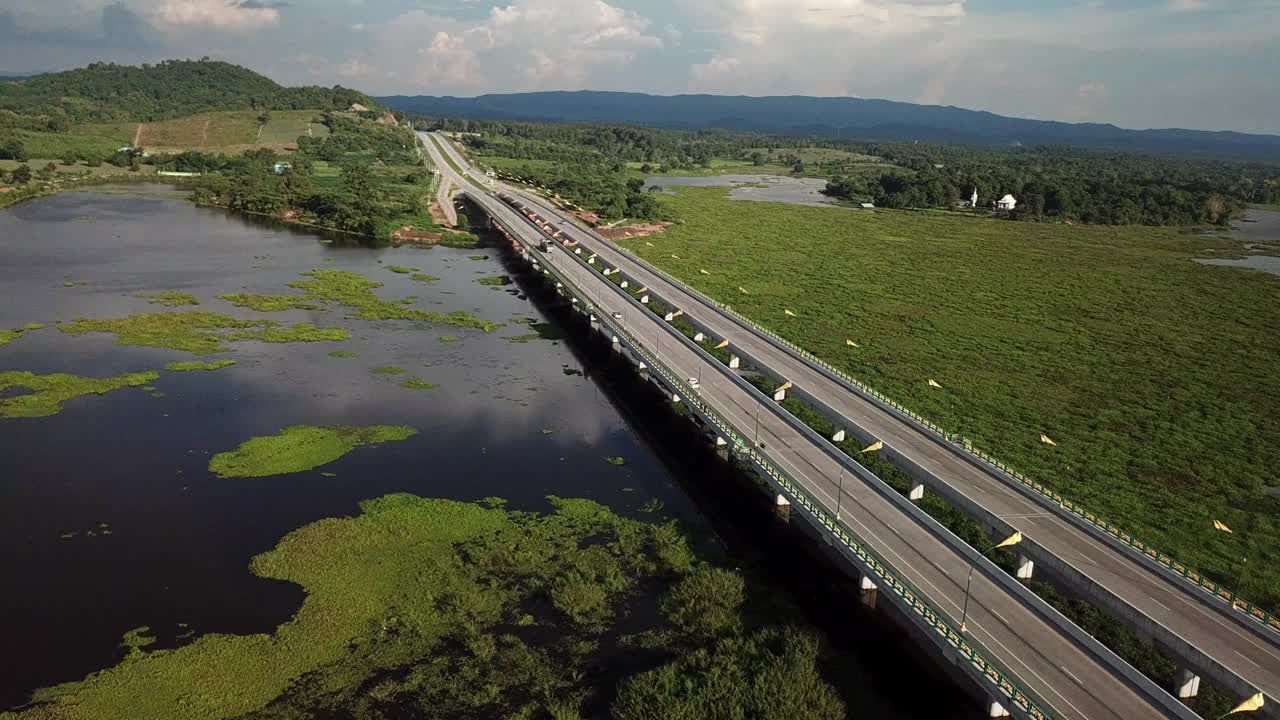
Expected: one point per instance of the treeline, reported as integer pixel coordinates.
(604, 189)
(1057, 183)
(106, 92)
(361, 202)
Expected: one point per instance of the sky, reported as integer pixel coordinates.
(1203, 64)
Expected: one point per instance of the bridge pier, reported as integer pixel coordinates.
(868, 591)
(780, 394)
(735, 362)
(782, 508)
(1026, 567)
(838, 435)
(996, 709)
(917, 491)
(722, 448)
(616, 343)
(1188, 685)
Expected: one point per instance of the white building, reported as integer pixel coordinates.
(1006, 203)
(973, 201)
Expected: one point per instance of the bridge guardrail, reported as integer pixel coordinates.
(973, 653)
(958, 443)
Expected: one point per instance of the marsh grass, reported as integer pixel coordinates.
(169, 298)
(1148, 370)
(192, 365)
(301, 447)
(49, 392)
(198, 332)
(417, 384)
(356, 291)
(269, 303)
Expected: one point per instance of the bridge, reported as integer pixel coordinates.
(1029, 660)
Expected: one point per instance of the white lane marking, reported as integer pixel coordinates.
(1071, 675)
(1237, 652)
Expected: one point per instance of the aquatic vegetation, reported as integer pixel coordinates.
(198, 332)
(423, 278)
(356, 291)
(447, 339)
(191, 365)
(616, 461)
(495, 281)
(74, 283)
(342, 354)
(8, 336)
(269, 303)
(522, 339)
(387, 370)
(170, 298)
(49, 392)
(477, 257)
(137, 639)
(301, 447)
(416, 384)
(439, 609)
(401, 269)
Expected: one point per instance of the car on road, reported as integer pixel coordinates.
(617, 316)
(693, 383)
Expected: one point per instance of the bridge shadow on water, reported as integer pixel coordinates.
(880, 669)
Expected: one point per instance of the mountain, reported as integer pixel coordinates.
(106, 92)
(854, 118)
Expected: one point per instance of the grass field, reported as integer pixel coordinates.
(216, 131)
(104, 170)
(98, 142)
(1154, 375)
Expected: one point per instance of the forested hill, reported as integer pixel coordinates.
(852, 118)
(105, 92)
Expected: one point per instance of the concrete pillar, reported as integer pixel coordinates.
(624, 284)
(838, 435)
(641, 366)
(868, 591)
(617, 344)
(779, 395)
(675, 398)
(734, 362)
(669, 316)
(1025, 567)
(699, 337)
(644, 299)
(592, 318)
(1188, 685)
(559, 284)
(917, 491)
(782, 508)
(722, 448)
(996, 709)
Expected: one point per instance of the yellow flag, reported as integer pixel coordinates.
(675, 256)
(1254, 703)
(851, 343)
(648, 243)
(1217, 525)
(743, 290)
(788, 312)
(1046, 440)
(877, 445)
(1013, 539)
(676, 314)
(642, 290)
(933, 383)
(724, 343)
(704, 272)
(785, 386)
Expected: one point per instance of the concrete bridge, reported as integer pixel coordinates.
(1028, 659)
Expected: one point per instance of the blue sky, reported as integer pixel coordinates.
(1207, 64)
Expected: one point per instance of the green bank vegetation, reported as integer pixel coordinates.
(45, 394)
(199, 332)
(193, 365)
(170, 298)
(301, 447)
(441, 609)
(1077, 333)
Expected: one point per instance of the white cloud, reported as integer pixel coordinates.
(210, 14)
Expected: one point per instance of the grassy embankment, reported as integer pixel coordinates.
(1148, 370)
(435, 608)
(227, 131)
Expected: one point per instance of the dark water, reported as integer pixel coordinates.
(181, 539)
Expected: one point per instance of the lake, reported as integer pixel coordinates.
(110, 518)
(766, 188)
(1260, 230)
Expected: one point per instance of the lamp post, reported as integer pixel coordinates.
(839, 492)
(1013, 539)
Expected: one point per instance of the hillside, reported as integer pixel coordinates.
(104, 93)
(874, 120)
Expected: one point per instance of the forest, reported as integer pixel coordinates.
(107, 92)
(587, 163)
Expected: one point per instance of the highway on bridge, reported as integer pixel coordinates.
(1065, 677)
(1253, 657)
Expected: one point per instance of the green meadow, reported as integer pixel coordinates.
(1153, 375)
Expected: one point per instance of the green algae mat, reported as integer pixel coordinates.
(441, 609)
(46, 393)
(301, 447)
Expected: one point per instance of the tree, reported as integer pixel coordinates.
(13, 150)
(22, 174)
(758, 158)
(70, 157)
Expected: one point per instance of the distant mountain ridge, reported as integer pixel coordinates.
(854, 118)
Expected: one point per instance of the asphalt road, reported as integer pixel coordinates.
(1066, 678)
(1174, 605)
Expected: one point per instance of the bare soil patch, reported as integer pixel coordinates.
(629, 232)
